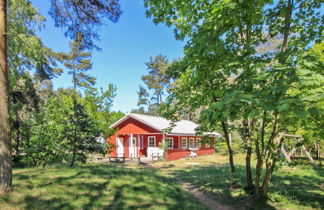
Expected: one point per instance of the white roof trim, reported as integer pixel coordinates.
(119, 121)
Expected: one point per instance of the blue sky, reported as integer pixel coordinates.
(126, 45)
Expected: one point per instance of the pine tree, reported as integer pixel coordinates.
(157, 81)
(78, 62)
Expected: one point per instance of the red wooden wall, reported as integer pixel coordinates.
(132, 126)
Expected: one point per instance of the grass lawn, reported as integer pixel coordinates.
(132, 186)
(96, 186)
(298, 187)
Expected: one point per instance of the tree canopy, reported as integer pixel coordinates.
(243, 63)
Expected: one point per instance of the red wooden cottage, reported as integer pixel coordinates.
(140, 135)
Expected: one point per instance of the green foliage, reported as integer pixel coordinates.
(26, 50)
(84, 17)
(232, 74)
(98, 105)
(26, 54)
(49, 142)
(157, 82)
(55, 127)
(78, 62)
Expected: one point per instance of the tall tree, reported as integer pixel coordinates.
(78, 62)
(157, 82)
(77, 17)
(223, 39)
(53, 129)
(98, 105)
(5, 144)
(26, 52)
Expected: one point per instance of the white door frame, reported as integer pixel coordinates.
(133, 146)
(120, 147)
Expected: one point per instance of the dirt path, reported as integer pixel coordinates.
(194, 190)
(202, 197)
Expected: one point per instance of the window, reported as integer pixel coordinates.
(191, 143)
(134, 142)
(198, 143)
(169, 143)
(184, 143)
(151, 141)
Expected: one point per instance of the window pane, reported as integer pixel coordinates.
(151, 142)
(169, 143)
(184, 143)
(198, 143)
(191, 143)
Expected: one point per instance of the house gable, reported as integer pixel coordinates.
(133, 126)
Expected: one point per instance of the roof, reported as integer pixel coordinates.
(161, 124)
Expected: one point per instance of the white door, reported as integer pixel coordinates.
(120, 147)
(132, 147)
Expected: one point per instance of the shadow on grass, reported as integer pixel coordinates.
(291, 187)
(38, 203)
(104, 186)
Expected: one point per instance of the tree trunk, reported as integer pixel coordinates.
(5, 143)
(230, 138)
(318, 153)
(270, 165)
(286, 33)
(74, 152)
(74, 120)
(74, 134)
(248, 172)
(259, 153)
(230, 151)
(18, 134)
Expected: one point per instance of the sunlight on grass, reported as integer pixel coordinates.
(296, 187)
(95, 187)
(133, 186)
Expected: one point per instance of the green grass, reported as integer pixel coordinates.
(132, 186)
(297, 187)
(97, 186)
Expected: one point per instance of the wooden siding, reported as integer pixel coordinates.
(137, 128)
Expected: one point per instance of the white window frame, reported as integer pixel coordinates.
(167, 142)
(148, 141)
(182, 138)
(193, 142)
(198, 143)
